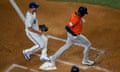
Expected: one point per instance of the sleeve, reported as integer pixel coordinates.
(28, 21)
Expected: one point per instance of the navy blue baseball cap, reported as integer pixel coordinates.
(82, 10)
(33, 5)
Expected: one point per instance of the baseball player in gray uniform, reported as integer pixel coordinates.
(34, 34)
(74, 33)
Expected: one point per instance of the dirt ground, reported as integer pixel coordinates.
(102, 28)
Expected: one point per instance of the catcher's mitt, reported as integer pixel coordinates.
(43, 28)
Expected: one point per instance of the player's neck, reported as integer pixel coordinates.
(78, 14)
(31, 11)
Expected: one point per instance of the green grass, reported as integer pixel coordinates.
(110, 3)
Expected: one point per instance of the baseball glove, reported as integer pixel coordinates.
(43, 28)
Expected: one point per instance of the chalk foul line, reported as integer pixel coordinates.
(21, 67)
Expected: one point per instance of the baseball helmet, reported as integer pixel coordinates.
(33, 5)
(74, 69)
(82, 10)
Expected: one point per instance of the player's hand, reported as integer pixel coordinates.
(39, 32)
(83, 20)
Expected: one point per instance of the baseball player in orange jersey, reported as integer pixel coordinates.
(74, 29)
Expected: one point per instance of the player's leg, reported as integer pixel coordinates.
(81, 39)
(38, 44)
(66, 46)
(44, 48)
(50, 65)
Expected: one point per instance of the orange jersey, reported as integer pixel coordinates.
(76, 24)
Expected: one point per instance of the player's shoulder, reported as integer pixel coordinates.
(28, 13)
(74, 15)
(31, 14)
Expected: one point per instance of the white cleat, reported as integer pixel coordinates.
(48, 66)
(26, 55)
(88, 62)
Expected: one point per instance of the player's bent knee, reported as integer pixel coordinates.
(87, 45)
(38, 46)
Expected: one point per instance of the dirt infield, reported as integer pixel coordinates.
(102, 28)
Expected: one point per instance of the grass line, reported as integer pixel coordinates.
(109, 3)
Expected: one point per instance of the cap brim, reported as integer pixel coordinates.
(86, 12)
(37, 6)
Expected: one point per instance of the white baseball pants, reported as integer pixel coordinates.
(40, 42)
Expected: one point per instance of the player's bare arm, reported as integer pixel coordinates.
(70, 24)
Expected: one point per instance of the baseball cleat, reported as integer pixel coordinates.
(26, 55)
(44, 58)
(88, 62)
(48, 66)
